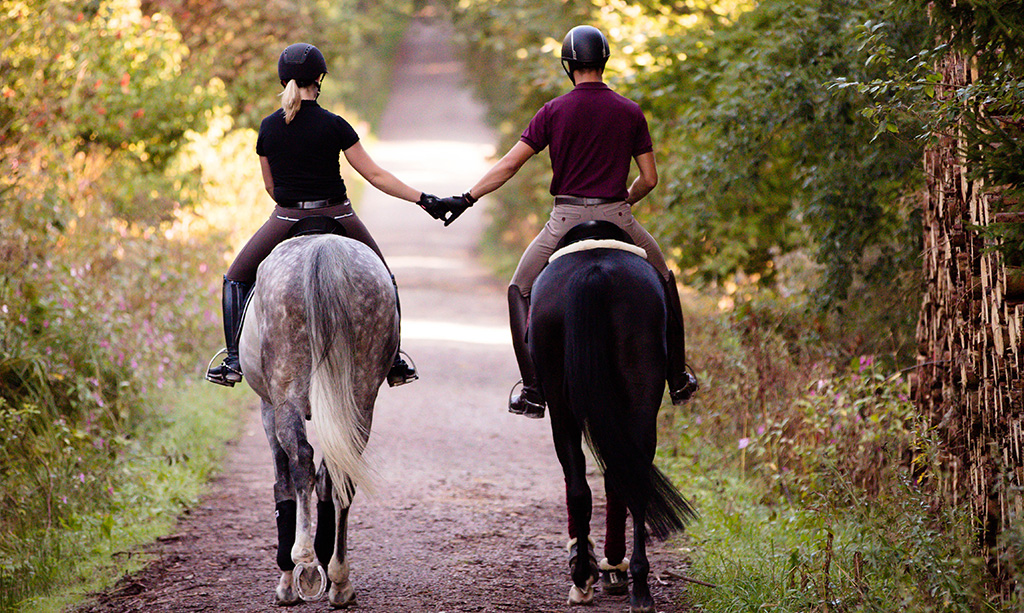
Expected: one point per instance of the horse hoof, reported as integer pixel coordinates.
(284, 594)
(647, 608)
(342, 596)
(614, 579)
(579, 595)
(286, 599)
(309, 581)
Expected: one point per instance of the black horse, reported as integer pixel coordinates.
(597, 338)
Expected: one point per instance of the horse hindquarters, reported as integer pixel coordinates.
(318, 300)
(357, 316)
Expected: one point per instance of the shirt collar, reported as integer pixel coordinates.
(592, 85)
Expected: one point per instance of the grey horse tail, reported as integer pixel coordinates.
(335, 413)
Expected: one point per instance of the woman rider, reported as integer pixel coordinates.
(592, 134)
(299, 147)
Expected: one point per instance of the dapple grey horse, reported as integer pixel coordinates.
(320, 333)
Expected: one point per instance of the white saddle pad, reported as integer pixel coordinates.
(601, 243)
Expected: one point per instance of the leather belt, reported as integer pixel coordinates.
(312, 204)
(584, 201)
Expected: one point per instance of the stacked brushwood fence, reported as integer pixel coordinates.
(970, 337)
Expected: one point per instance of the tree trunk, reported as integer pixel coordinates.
(970, 338)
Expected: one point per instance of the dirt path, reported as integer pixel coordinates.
(470, 512)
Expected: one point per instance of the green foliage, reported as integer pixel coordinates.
(763, 158)
(852, 425)
(985, 112)
(124, 178)
(812, 484)
(813, 481)
(162, 469)
(887, 553)
(238, 42)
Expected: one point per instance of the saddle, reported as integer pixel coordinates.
(316, 224)
(595, 235)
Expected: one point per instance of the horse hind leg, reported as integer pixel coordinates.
(284, 511)
(640, 599)
(331, 539)
(579, 504)
(301, 576)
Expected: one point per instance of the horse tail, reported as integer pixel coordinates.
(335, 412)
(594, 390)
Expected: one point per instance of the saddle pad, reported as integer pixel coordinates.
(602, 243)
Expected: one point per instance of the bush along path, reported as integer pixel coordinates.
(469, 513)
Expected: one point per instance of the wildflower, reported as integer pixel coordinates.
(866, 362)
(744, 442)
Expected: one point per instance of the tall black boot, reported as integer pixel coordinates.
(529, 402)
(681, 384)
(230, 371)
(401, 372)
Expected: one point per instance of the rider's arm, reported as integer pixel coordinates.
(504, 170)
(377, 176)
(646, 180)
(268, 179)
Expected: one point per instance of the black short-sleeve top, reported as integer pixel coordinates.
(305, 155)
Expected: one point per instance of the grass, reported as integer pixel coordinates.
(165, 471)
(838, 550)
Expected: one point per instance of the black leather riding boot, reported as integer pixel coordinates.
(681, 384)
(401, 372)
(230, 371)
(529, 402)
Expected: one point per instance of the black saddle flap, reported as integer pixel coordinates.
(316, 224)
(594, 230)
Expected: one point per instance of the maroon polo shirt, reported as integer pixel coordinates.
(593, 133)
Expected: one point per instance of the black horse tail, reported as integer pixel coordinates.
(594, 388)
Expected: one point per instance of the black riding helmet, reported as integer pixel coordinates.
(302, 62)
(584, 47)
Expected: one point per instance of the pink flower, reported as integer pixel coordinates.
(744, 442)
(866, 361)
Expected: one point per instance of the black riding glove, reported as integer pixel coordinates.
(432, 205)
(456, 205)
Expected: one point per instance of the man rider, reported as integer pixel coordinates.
(592, 133)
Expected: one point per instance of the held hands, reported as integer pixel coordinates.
(432, 205)
(455, 206)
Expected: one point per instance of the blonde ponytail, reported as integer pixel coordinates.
(291, 101)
